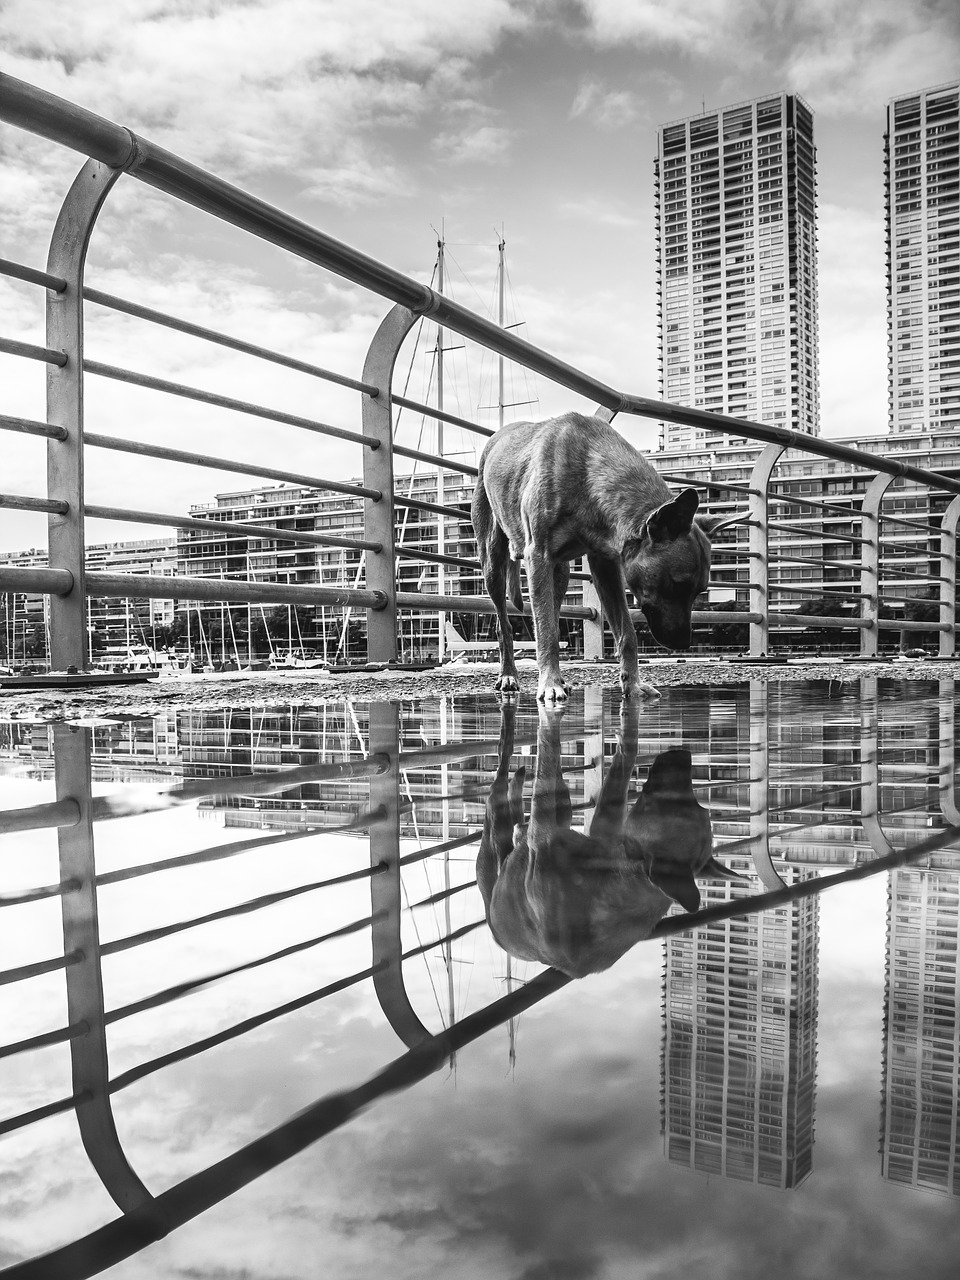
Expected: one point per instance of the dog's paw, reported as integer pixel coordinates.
(507, 684)
(551, 693)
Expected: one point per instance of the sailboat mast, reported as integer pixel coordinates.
(441, 519)
(500, 320)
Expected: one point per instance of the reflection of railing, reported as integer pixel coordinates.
(873, 766)
(888, 562)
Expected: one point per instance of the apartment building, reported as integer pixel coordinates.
(736, 266)
(922, 151)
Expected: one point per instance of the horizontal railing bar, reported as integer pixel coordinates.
(225, 402)
(45, 1039)
(241, 1028)
(793, 500)
(29, 351)
(417, 504)
(229, 913)
(169, 994)
(825, 535)
(885, 596)
(41, 892)
(105, 808)
(29, 427)
(38, 968)
(41, 1113)
(252, 530)
(55, 813)
(696, 482)
(216, 853)
(787, 436)
(176, 587)
(776, 554)
(442, 895)
(784, 619)
(17, 271)
(422, 855)
(51, 582)
(887, 568)
(408, 553)
(224, 340)
(44, 113)
(827, 593)
(904, 624)
(120, 445)
(439, 942)
(917, 525)
(442, 415)
(477, 604)
(435, 460)
(17, 502)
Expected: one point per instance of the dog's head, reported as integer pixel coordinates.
(667, 565)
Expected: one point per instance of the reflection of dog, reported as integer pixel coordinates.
(577, 901)
(551, 491)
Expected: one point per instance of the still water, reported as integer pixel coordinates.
(456, 988)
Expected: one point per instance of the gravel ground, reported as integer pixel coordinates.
(241, 689)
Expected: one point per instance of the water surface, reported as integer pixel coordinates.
(762, 1083)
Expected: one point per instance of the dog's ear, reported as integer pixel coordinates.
(710, 524)
(674, 518)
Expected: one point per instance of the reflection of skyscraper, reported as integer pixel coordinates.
(920, 1138)
(739, 1056)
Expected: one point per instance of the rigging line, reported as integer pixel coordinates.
(424, 953)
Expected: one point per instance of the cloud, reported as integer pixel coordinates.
(844, 56)
(609, 109)
(483, 144)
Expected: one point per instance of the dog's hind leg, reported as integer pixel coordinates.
(608, 579)
(493, 550)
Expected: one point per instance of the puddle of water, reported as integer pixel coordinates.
(552, 995)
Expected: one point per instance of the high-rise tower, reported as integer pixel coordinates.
(736, 265)
(923, 259)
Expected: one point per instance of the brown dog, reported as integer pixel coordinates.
(550, 491)
(580, 901)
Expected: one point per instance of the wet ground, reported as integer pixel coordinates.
(512, 993)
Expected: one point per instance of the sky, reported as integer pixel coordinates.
(384, 123)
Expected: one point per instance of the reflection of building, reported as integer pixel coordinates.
(739, 1052)
(920, 1135)
(141, 750)
(923, 268)
(736, 265)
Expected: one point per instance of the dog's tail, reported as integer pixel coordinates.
(513, 584)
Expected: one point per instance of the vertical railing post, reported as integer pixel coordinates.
(948, 578)
(378, 520)
(870, 564)
(81, 938)
(385, 885)
(947, 755)
(759, 548)
(68, 251)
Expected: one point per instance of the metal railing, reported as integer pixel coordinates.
(761, 790)
(880, 569)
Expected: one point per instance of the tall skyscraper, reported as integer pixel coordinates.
(737, 265)
(923, 259)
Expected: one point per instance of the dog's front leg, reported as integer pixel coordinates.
(540, 579)
(608, 579)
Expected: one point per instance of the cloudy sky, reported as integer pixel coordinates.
(382, 121)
